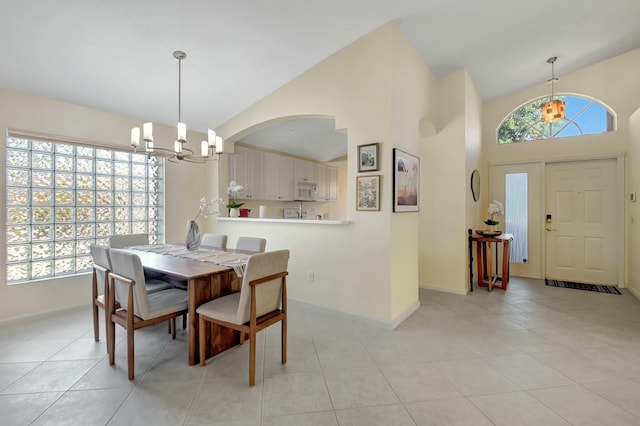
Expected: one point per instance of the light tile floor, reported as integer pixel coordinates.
(533, 355)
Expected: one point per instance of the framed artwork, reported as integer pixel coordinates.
(368, 194)
(368, 158)
(406, 182)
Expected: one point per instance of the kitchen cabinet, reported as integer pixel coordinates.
(304, 171)
(332, 183)
(278, 177)
(247, 169)
(327, 182)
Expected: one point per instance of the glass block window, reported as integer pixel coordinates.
(584, 116)
(63, 197)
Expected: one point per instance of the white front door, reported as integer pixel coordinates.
(581, 221)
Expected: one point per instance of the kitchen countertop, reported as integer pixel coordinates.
(274, 220)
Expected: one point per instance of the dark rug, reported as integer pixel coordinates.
(580, 286)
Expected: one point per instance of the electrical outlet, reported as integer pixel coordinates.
(311, 277)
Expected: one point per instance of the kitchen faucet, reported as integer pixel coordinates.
(300, 211)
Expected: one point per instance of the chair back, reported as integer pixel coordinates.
(253, 244)
(128, 265)
(214, 240)
(122, 241)
(101, 258)
(268, 295)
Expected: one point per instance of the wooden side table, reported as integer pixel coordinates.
(486, 278)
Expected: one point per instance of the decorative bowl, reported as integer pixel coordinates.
(488, 233)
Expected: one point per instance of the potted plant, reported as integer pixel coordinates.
(495, 208)
(233, 205)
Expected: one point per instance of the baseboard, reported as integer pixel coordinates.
(633, 291)
(363, 319)
(41, 315)
(462, 292)
(406, 314)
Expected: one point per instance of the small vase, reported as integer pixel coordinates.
(235, 212)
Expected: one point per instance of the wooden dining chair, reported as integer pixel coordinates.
(99, 285)
(254, 244)
(261, 302)
(214, 240)
(138, 308)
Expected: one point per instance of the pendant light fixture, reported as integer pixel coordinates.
(553, 110)
(213, 144)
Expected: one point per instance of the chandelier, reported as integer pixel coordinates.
(553, 110)
(213, 144)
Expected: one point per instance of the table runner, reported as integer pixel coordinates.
(237, 261)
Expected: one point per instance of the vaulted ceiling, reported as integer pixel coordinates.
(117, 55)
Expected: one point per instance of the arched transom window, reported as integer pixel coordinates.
(584, 116)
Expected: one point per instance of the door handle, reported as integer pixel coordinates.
(550, 228)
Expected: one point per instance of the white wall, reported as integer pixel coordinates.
(633, 220)
(50, 117)
(376, 89)
(443, 225)
(473, 149)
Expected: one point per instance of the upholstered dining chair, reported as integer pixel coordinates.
(99, 284)
(261, 302)
(138, 308)
(122, 241)
(254, 244)
(214, 240)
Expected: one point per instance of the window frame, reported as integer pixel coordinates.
(611, 119)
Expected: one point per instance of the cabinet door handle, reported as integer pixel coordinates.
(550, 229)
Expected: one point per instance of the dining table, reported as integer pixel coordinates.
(210, 273)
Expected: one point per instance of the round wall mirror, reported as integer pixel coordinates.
(475, 185)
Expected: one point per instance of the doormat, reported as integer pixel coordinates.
(580, 286)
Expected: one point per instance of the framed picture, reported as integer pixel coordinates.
(368, 158)
(406, 182)
(368, 194)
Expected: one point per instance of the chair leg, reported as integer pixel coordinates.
(172, 326)
(184, 322)
(203, 340)
(242, 338)
(252, 357)
(96, 326)
(111, 339)
(130, 352)
(283, 340)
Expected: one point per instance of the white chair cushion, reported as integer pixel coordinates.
(165, 302)
(223, 308)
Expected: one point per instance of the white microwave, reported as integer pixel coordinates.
(305, 191)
